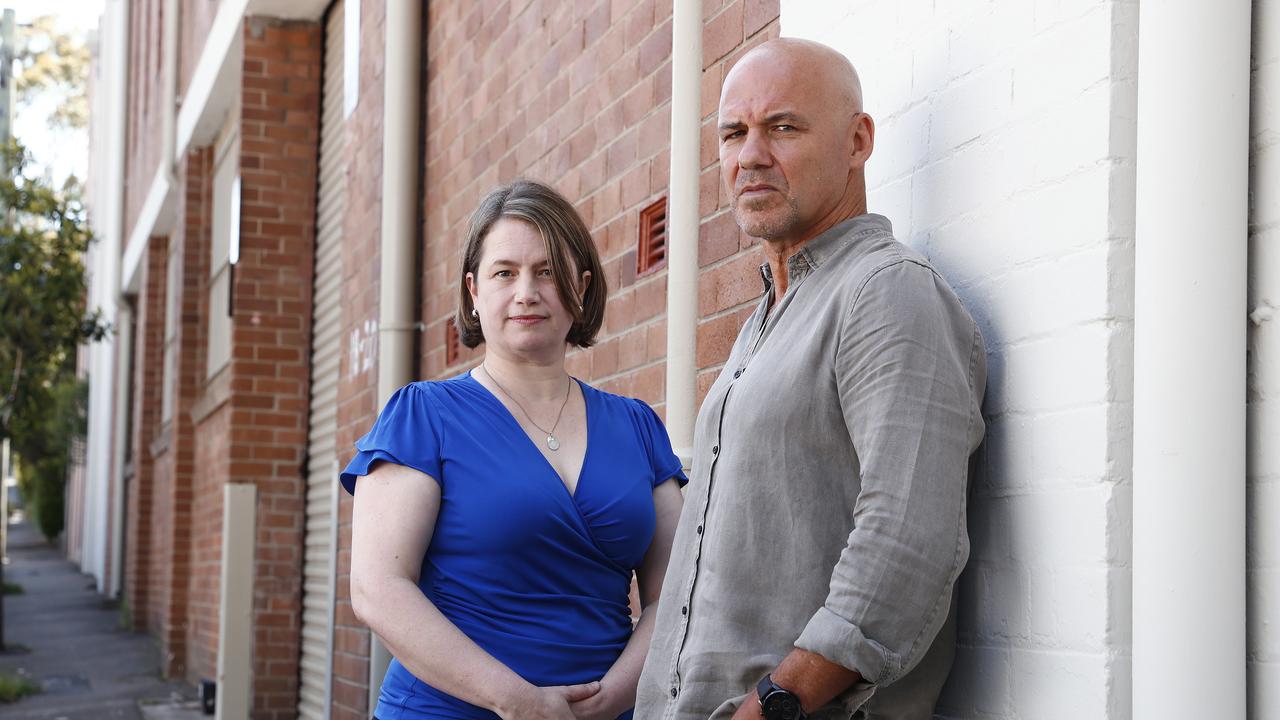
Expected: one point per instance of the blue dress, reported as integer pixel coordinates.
(535, 576)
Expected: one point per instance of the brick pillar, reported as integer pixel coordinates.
(271, 335)
(148, 359)
(204, 549)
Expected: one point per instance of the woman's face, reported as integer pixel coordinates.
(514, 292)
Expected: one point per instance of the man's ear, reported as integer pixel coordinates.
(863, 140)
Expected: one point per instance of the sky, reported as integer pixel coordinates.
(62, 152)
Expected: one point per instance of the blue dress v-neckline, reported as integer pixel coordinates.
(533, 446)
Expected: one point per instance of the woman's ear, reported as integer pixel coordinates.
(586, 282)
(471, 286)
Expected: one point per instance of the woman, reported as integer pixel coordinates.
(499, 514)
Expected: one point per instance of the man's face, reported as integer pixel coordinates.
(784, 149)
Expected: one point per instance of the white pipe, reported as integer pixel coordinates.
(1189, 360)
(683, 223)
(1264, 370)
(117, 83)
(400, 158)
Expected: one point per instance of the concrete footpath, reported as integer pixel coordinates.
(65, 637)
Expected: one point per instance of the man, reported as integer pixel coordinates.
(824, 526)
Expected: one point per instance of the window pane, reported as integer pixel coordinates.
(168, 386)
(219, 322)
(225, 206)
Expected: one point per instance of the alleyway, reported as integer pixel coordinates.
(68, 639)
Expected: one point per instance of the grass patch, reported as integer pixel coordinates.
(12, 588)
(124, 615)
(14, 687)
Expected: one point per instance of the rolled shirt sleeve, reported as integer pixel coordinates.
(910, 373)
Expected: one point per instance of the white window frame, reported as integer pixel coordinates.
(224, 241)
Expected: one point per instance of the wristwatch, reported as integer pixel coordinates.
(778, 703)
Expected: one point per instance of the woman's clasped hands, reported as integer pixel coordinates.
(587, 701)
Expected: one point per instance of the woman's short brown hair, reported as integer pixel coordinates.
(570, 250)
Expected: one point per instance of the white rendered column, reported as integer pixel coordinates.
(1189, 358)
(1264, 368)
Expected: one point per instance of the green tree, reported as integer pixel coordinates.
(43, 237)
(52, 61)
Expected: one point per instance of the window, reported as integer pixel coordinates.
(224, 241)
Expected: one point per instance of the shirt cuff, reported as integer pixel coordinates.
(843, 643)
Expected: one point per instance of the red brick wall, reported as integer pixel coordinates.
(247, 423)
(142, 136)
(196, 216)
(212, 439)
(578, 94)
(271, 334)
(173, 447)
(191, 237)
(357, 366)
(145, 406)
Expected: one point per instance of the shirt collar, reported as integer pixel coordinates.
(817, 251)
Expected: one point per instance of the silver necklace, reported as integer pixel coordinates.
(552, 443)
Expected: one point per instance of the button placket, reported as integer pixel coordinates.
(704, 503)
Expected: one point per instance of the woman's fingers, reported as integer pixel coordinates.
(574, 693)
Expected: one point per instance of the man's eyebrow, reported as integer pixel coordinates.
(784, 116)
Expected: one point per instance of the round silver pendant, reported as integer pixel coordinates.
(553, 443)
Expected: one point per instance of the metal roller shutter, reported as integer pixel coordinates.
(322, 462)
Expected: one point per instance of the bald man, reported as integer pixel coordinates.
(824, 527)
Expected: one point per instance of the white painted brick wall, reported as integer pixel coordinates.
(1005, 151)
(1264, 369)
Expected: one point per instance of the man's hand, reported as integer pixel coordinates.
(749, 709)
(812, 678)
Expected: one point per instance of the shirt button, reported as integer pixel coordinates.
(673, 692)
(699, 529)
(737, 374)
(715, 449)
(684, 610)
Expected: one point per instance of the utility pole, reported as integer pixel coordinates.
(8, 39)
(8, 48)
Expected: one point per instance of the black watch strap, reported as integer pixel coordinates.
(778, 703)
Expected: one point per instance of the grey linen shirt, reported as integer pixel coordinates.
(826, 509)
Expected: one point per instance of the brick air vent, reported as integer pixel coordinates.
(651, 254)
(452, 343)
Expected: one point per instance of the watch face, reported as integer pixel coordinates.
(780, 706)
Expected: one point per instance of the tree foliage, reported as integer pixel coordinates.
(43, 318)
(52, 61)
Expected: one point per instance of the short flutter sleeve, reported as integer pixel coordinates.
(666, 465)
(407, 432)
